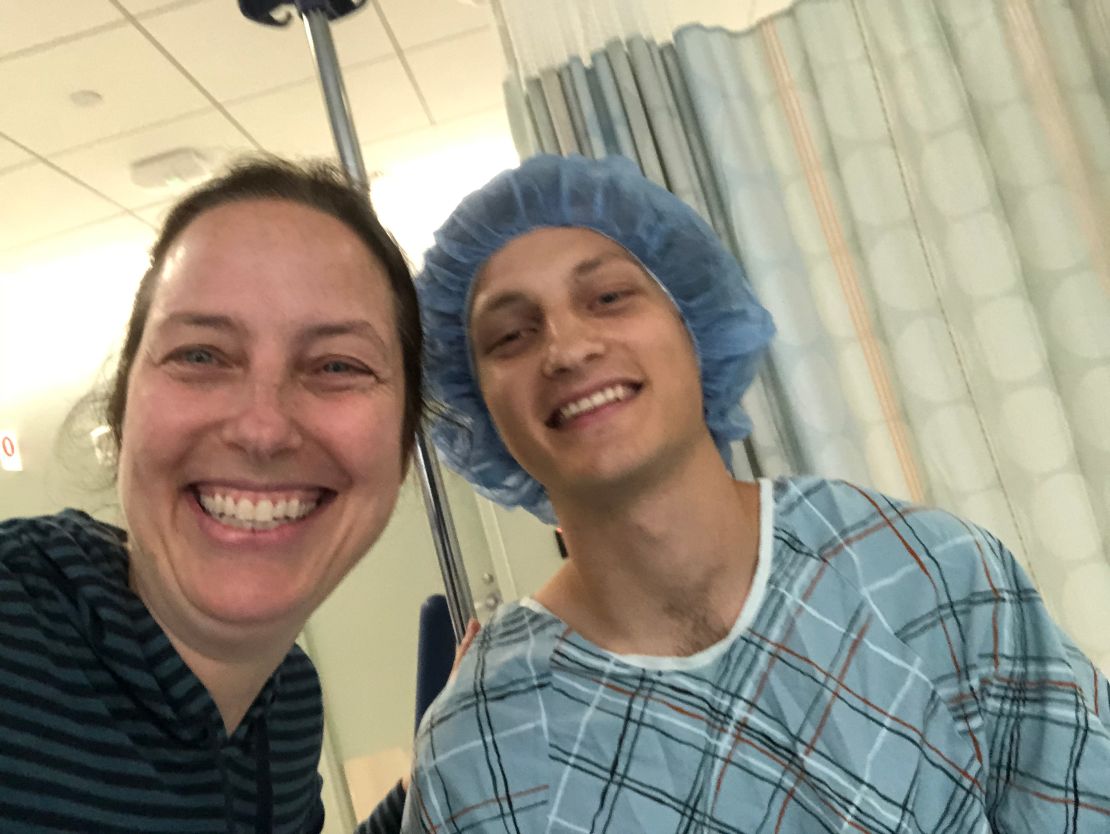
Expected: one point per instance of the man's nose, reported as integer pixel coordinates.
(570, 344)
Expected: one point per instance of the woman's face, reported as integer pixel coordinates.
(261, 449)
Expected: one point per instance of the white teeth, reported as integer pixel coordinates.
(265, 515)
(614, 393)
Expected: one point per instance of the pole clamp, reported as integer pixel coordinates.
(265, 11)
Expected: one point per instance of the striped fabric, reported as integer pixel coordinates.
(102, 726)
(893, 670)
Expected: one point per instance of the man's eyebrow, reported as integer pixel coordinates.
(590, 264)
(581, 269)
(499, 302)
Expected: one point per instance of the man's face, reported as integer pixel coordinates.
(584, 362)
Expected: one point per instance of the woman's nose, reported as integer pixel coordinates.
(263, 425)
(571, 343)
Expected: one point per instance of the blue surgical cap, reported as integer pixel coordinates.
(730, 329)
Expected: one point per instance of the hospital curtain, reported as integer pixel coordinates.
(919, 192)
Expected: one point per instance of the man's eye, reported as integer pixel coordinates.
(510, 338)
(612, 297)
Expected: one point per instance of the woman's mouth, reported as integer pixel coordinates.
(259, 510)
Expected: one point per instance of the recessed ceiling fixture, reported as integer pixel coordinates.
(172, 169)
(85, 98)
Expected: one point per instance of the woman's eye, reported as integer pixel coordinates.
(196, 356)
(341, 366)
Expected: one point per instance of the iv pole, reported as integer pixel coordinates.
(317, 15)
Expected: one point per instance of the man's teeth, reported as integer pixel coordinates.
(265, 514)
(613, 393)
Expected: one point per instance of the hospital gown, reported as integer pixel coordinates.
(893, 670)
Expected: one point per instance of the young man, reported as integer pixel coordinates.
(714, 656)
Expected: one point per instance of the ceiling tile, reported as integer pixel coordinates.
(385, 154)
(47, 203)
(233, 57)
(293, 121)
(154, 215)
(416, 22)
(438, 68)
(30, 24)
(139, 87)
(106, 165)
(441, 164)
(118, 230)
(142, 7)
(11, 154)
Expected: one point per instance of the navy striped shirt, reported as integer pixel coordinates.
(102, 725)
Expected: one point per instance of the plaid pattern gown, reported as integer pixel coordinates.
(893, 670)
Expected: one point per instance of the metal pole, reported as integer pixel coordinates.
(456, 586)
(335, 94)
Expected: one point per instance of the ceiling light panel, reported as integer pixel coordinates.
(107, 165)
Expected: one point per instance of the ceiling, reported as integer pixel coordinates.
(91, 86)
(195, 73)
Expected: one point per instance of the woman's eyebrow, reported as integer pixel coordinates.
(212, 321)
(352, 327)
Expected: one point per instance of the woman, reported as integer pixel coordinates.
(264, 408)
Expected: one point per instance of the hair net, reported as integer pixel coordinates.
(730, 329)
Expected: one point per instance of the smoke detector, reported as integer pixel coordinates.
(86, 98)
(172, 169)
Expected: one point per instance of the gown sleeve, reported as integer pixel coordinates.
(1035, 709)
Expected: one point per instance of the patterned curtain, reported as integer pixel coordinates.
(919, 191)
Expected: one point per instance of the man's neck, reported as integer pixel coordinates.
(664, 573)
